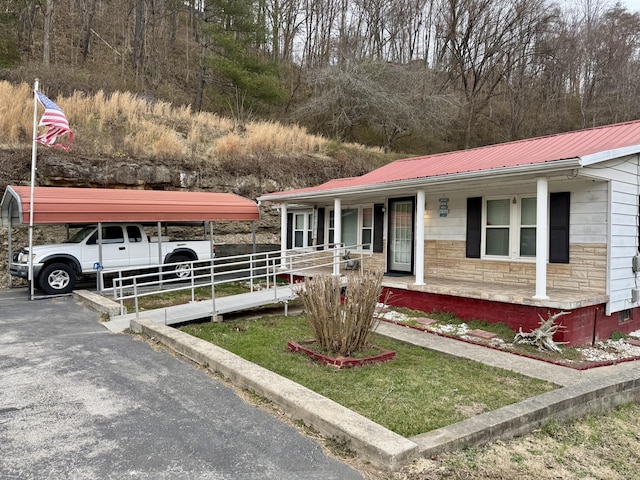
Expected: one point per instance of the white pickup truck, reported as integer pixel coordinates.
(56, 268)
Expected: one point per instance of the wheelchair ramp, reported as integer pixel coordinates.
(204, 309)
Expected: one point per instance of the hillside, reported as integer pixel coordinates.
(406, 76)
(122, 141)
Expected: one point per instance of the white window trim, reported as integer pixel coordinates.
(307, 229)
(327, 229)
(515, 226)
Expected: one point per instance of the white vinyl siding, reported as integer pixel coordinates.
(622, 229)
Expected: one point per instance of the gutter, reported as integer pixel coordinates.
(428, 181)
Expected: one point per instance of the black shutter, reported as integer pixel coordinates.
(289, 231)
(559, 204)
(378, 227)
(320, 232)
(474, 226)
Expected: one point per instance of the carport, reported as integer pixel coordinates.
(78, 206)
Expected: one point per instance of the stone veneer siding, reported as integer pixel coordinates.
(587, 269)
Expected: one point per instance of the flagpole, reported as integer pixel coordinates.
(34, 147)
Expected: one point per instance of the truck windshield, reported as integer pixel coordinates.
(80, 235)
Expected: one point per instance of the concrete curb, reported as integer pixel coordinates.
(523, 417)
(97, 302)
(379, 445)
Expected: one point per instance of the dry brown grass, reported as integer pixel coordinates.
(123, 124)
(596, 447)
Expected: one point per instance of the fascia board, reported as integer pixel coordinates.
(490, 175)
(598, 157)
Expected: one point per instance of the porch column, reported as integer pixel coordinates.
(283, 236)
(542, 236)
(337, 235)
(420, 200)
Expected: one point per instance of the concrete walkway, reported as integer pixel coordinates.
(549, 372)
(580, 392)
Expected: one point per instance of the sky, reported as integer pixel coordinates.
(633, 5)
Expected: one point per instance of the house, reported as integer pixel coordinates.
(512, 232)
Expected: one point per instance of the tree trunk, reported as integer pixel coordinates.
(48, 28)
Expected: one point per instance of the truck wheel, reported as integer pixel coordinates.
(57, 278)
(183, 267)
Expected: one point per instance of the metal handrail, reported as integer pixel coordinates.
(142, 281)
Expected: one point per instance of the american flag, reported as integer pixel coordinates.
(54, 119)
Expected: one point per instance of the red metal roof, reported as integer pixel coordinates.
(532, 152)
(92, 205)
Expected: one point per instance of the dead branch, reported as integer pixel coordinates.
(542, 337)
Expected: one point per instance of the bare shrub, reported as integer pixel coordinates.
(341, 324)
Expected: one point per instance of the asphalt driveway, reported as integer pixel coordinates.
(79, 402)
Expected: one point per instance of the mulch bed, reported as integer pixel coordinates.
(548, 357)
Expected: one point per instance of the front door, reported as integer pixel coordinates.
(401, 215)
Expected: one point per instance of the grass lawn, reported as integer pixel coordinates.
(418, 391)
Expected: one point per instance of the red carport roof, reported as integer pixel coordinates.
(92, 205)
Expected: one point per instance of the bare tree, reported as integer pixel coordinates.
(390, 100)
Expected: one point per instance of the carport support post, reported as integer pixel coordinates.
(10, 244)
(159, 227)
(541, 238)
(99, 286)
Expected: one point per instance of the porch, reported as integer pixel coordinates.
(519, 294)
(513, 304)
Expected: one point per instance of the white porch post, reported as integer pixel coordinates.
(420, 200)
(283, 236)
(337, 234)
(542, 236)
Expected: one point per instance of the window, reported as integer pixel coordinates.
(528, 216)
(498, 225)
(495, 224)
(367, 227)
(134, 234)
(510, 227)
(357, 227)
(111, 234)
(302, 229)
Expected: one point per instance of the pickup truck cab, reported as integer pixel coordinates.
(56, 268)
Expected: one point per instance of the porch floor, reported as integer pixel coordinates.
(559, 298)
